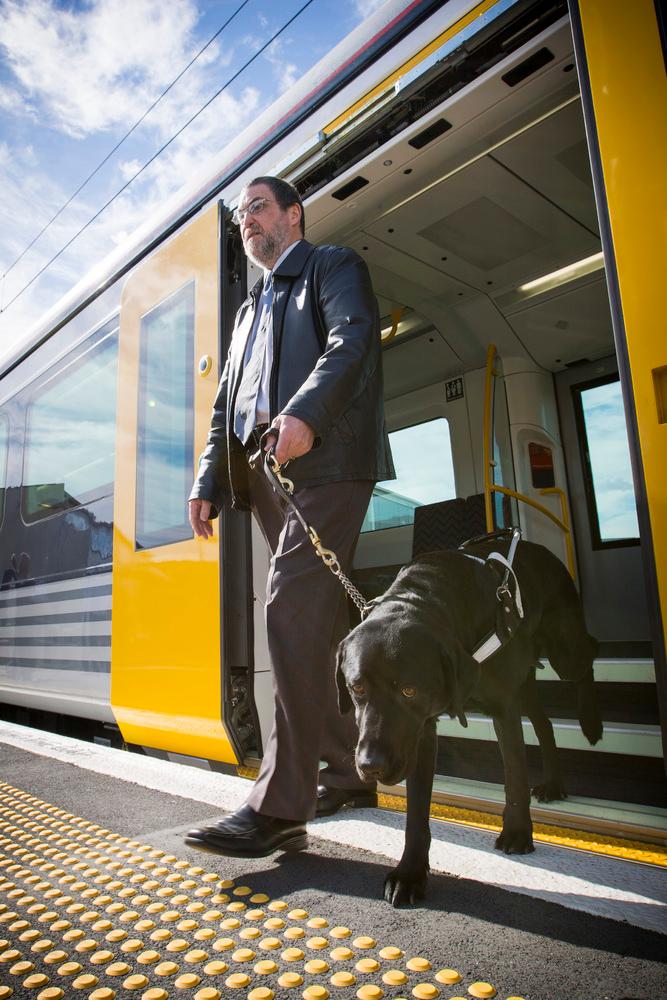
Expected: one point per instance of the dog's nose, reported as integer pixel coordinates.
(371, 766)
(372, 773)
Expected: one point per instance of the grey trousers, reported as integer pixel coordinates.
(306, 617)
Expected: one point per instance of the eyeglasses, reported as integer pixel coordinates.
(254, 207)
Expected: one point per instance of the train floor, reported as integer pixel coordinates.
(100, 899)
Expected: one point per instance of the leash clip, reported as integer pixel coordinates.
(503, 593)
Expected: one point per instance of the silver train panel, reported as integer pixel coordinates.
(55, 646)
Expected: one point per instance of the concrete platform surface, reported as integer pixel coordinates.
(557, 924)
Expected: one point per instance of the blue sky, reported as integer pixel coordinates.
(610, 461)
(74, 77)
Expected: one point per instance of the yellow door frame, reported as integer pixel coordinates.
(621, 65)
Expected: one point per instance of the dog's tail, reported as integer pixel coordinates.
(588, 709)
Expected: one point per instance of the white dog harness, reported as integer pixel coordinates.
(510, 605)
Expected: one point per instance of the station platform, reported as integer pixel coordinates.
(100, 898)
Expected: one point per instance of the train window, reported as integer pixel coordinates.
(606, 460)
(4, 442)
(165, 448)
(70, 437)
(424, 474)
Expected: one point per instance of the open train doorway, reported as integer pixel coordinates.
(479, 226)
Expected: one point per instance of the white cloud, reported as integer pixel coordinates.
(285, 72)
(88, 71)
(365, 8)
(128, 168)
(12, 101)
(29, 199)
(97, 67)
(92, 68)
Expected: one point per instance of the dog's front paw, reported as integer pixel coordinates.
(516, 841)
(404, 886)
(549, 791)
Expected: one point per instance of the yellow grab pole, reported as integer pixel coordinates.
(488, 435)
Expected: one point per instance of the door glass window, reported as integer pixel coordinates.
(71, 431)
(424, 474)
(165, 426)
(607, 458)
(4, 435)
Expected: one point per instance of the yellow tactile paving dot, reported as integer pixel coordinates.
(370, 992)
(418, 964)
(394, 977)
(367, 965)
(316, 966)
(87, 913)
(342, 979)
(449, 976)
(481, 990)
(425, 991)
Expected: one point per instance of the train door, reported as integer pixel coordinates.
(621, 52)
(166, 686)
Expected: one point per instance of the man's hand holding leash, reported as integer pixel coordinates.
(294, 438)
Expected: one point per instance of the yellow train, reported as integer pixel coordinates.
(500, 166)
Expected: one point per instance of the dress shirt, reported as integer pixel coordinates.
(262, 406)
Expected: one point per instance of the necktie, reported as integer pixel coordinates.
(246, 398)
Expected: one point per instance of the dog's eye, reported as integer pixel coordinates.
(409, 692)
(358, 688)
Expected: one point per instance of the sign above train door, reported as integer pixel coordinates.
(165, 655)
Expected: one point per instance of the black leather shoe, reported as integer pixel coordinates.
(330, 800)
(249, 834)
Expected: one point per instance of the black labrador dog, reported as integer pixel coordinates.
(410, 660)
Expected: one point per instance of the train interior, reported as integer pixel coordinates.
(479, 227)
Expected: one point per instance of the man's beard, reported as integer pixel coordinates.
(266, 248)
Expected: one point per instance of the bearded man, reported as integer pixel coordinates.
(305, 361)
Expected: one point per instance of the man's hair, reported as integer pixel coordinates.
(284, 193)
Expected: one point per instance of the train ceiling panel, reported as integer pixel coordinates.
(399, 275)
(400, 280)
(406, 362)
(486, 228)
(552, 156)
(567, 327)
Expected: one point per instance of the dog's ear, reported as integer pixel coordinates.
(344, 700)
(461, 673)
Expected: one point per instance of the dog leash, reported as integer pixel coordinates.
(509, 604)
(285, 488)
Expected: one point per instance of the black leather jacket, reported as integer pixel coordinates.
(327, 370)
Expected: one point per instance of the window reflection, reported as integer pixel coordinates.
(70, 439)
(4, 443)
(165, 427)
(424, 474)
(609, 462)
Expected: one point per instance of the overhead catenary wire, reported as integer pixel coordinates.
(120, 142)
(158, 153)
